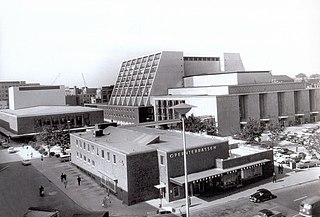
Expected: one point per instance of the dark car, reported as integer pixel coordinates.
(268, 213)
(261, 195)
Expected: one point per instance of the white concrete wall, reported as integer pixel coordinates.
(10, 119)
(24, 97)
(211, 80)
(222, 90)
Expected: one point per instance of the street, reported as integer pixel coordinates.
(19, 187)
(287, 202)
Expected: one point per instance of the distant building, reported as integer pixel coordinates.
(34, 107)
(106, 92)
(138, 164)
(4, 91)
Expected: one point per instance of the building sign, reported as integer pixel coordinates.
(193, 151)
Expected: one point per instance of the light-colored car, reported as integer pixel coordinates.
(26, 162)
(307, 163)
(285, 159)
(163, 211)
(12, 150)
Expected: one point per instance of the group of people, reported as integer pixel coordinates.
(63, 179)
(280, 169)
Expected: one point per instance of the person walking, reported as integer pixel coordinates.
(65, 182)
(41, 191)
(274, 177)
(279, 168)
(62, 177)
(79, 180)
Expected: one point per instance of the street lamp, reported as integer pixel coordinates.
(183, 109)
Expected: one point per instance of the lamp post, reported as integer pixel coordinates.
(183, 109)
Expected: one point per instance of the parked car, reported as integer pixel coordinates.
(163, 211)
(285, 159)
(268, 213)
(311, 156)
(12, 150)
(26, 162)
(261, 195)
(307, 163)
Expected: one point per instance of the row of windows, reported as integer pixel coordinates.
(201, 59)
(120, 115)
(86, 159)
(119, 109)
(87, 147)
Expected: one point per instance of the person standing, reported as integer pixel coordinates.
(79, 180)
(65, 182)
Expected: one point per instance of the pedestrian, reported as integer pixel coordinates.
(79, 180)
(61, 177)
(65, 182)
(274, 177)
(65, 176)
(279, 168)
(105, 202)
(41, 191)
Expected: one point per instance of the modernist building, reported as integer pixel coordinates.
(148, 86)
(34, 107)
(4, 91)
(138, 164)
(234, 97)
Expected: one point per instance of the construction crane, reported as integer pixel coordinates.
(84, 81)
(56, 78)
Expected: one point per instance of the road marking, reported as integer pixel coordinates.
(300, 198)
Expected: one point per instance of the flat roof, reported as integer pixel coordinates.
(171, 141)
(133, 140)
(47, 110)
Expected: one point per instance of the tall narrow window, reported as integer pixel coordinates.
(114, 159)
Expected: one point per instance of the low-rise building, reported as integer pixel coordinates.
(138, 163)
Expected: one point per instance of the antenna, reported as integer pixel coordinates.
(84, 81)
(56, 78)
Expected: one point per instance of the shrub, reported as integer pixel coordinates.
(57, 155)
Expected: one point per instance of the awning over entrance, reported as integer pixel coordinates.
(264, 119)
(299, 115)
(212, 173)
(314, 113)
(283, 117)
(161, 185)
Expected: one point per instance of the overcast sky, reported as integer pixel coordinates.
(56, 41)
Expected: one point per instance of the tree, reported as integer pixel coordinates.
(196, 125)
(315, 76)
(275, 130)
(52, 136)
(252, 131)
(301, 75)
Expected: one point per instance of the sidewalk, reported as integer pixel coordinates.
(89, 194)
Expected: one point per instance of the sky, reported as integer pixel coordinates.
(83, 42)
